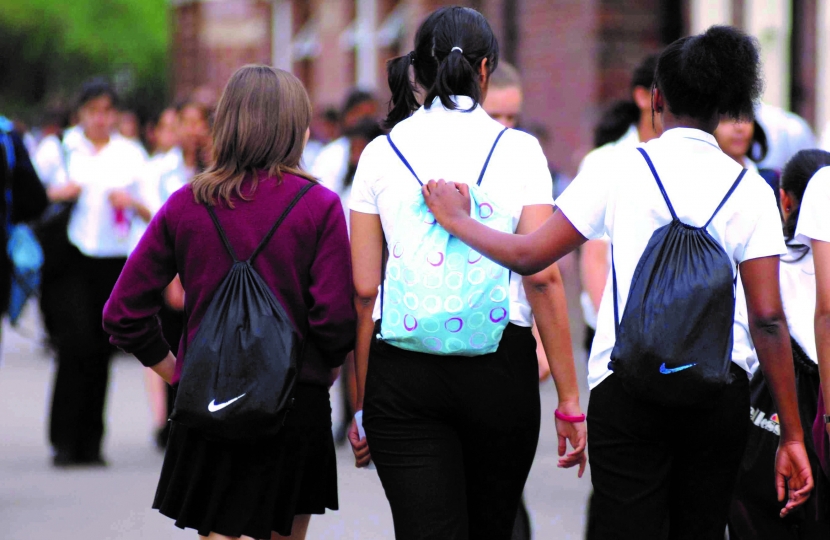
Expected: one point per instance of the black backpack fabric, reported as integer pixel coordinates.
(674, 341)
(240, 370)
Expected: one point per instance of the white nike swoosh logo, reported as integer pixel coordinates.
(213, 406)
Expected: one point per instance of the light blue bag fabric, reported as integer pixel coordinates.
(439, 296)
(22, 246)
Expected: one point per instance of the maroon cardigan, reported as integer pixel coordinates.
(307, 265)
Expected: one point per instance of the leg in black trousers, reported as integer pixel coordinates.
(663, 473)
(454, 438)
(80, 391)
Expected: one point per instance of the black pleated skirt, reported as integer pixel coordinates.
(253, 487)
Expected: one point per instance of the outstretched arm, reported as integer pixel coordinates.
(523, 254)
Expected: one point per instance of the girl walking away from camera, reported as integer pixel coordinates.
(264, 486)
(814, 230)
(755, 509)
(103, 173)
(452, 395)
(668, 406)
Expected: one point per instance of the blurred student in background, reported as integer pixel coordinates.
(332, 163)
(754, 514)
(103, 174)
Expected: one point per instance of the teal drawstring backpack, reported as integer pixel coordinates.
(438, 295)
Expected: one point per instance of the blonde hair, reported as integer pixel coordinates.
(260, 124)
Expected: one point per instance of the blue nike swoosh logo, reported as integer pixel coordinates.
(665, 371)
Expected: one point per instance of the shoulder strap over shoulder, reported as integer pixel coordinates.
(284, 215)
(487, 162)
(726, 197)
(403, 159)
(267, 238)
(659, 183)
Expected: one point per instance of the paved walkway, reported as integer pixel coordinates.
(37, 501)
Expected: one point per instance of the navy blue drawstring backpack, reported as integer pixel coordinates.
(674, 341)
(240, 370)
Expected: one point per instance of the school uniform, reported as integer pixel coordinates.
(664, 472)
(100, 245)
(453, 437)
(251, 487)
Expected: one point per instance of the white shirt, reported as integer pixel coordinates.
(453, 145)
(798, 295)
(120, 165)
(604, 157)
(165, 174)
(628, 207)
(49, 160)
(814, 215)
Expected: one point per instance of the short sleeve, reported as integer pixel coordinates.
(533, 169)
(369, 170)
(766, 238)
(585, 201)
(813, 217)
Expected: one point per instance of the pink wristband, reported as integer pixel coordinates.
(567, 418)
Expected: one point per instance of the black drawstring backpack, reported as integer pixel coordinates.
(240, 370)
(674, 341)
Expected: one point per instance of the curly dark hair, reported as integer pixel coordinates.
(794, 179)
(717, 73)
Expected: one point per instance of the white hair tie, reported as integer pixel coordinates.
(457, 49)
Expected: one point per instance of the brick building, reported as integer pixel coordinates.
(575, 56)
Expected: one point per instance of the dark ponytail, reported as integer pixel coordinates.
(403, 102)
(794, 179)
(717, 73)
(450, 46)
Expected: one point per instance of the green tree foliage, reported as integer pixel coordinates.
(48, 47)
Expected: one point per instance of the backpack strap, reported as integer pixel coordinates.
(726, 198)
(222, 233)
(405, 162)
(486, 163)
(284, 215)
(659, 183)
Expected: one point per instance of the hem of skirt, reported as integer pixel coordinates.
(236, 534)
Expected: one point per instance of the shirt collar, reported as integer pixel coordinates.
(464, 103)
(691, 134)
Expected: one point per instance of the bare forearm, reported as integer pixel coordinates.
(550, 310)
(365, 329)
(823, 346)
(772, 343)
(512, 251)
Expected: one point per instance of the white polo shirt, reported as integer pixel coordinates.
(120, 165)
(814, 215)
(627, 206)
(798, 295)
(453, 145)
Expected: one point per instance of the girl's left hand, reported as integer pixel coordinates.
(577, 434)
(447, 201)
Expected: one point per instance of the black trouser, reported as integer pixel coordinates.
(454, 437)
(664, 472)
(77, 422)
